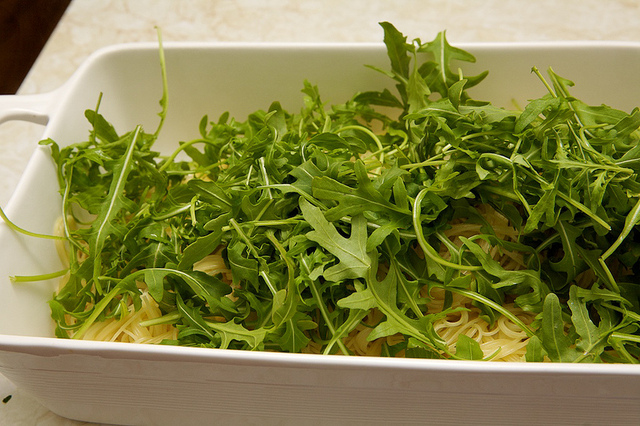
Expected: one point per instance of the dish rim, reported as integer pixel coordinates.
(52, 346)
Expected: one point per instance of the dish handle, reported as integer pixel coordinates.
(36, 108)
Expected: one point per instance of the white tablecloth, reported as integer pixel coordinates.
(91, 24)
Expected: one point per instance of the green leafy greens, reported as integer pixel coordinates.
(315, 240)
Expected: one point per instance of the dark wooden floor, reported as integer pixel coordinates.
(25, 27)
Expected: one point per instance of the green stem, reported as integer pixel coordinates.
(39, 277)
(165, 319)
(323, 309)
(20, 230)
(634, 316)
(255, 254)
(426, 248)
(368, 132)
(165, 85)
(630, 222)
(536, 71)
(97, 310)
(175, 153)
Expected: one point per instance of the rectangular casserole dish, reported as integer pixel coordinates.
(136, 384)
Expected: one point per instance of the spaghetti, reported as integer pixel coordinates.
(501, 341)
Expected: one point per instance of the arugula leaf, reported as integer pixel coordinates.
(336, 213)
(535, 351)
(193, 318)
(102, 129)
(385, 295)
(590, 341)
(354, 261)
(294, 339)
(104, 225)
(571, 263)
(231, 331)
(397, 49)
(555, 342)
(467, 348)
(354, 201)
(444, 54)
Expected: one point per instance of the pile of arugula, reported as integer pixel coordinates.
(306, 230)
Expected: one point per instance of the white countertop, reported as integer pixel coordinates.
(90, 24)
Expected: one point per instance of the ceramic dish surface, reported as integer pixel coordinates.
(141, 384)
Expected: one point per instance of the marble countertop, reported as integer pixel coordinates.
(90, 24)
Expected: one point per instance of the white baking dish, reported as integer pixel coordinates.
(135, 384)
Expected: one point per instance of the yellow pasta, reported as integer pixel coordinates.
(503, 340)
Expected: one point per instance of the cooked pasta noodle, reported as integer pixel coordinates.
(128, 329)
(503, 336)
(503, 340)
